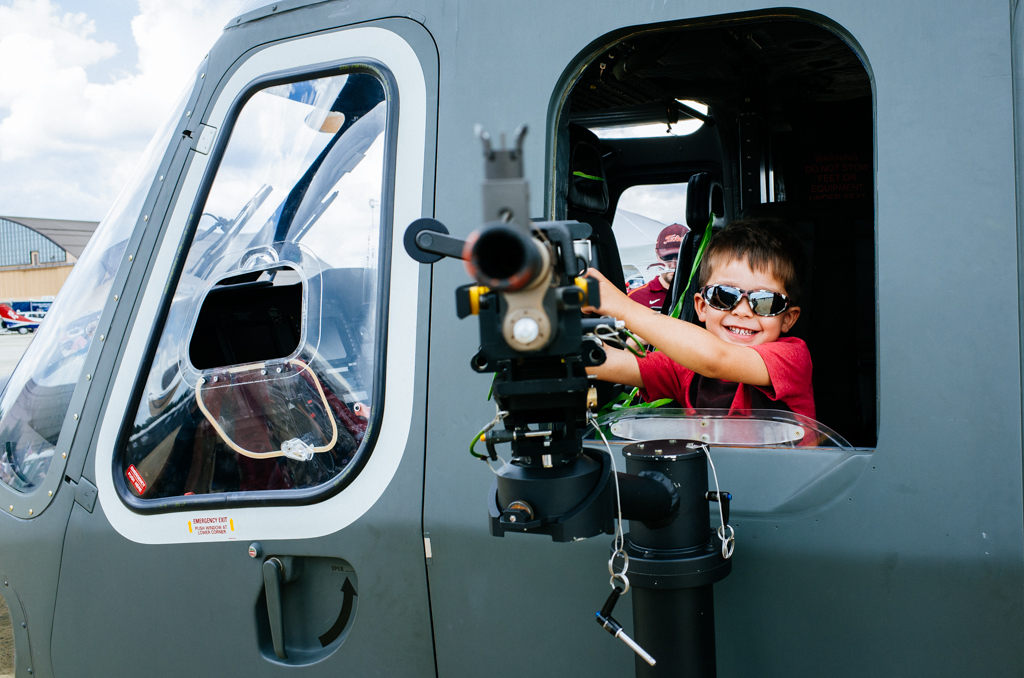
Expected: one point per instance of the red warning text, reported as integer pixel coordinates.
(136, 479)
(209, 526)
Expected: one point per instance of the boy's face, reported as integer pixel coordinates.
(741, 325)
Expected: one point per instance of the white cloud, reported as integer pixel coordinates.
(67, 145)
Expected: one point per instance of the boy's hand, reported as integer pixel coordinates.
(613, 301)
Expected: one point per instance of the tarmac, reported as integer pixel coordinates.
(6, 642)
(12, 346)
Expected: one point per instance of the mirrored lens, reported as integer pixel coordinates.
(766, 303)
(723, 297)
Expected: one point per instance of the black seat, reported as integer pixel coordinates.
(704, 198)
(587, 201)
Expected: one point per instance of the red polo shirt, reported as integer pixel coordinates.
(651, 295)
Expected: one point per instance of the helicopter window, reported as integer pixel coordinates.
(37, 396)
(648, 230)
(684, 124)
(265, 373)
(787, 133)
(245, 320)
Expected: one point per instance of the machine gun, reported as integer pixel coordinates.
(529, 293)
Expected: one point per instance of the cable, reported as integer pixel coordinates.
(620, 539)
(728, 543)
(499, 414)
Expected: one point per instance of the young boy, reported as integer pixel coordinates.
(749, 285)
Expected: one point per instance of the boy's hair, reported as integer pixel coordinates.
(767, 245)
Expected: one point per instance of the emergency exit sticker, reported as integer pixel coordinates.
(136, 479)
(212, 526)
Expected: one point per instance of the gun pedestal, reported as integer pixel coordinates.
(672, 568)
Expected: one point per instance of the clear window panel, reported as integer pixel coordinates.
(641, 214)
(263, 377)
(37, 397)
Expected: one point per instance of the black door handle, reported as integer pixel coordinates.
(273, 576)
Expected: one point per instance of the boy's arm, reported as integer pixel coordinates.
(685, 343)
(619, 368)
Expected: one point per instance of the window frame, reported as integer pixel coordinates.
(558, 118)
(290, 497)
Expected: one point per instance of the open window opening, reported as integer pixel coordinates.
(249, 318)
(784, 131)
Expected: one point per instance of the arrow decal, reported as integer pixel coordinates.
(343, 616)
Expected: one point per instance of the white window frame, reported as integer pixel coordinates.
(339, 511)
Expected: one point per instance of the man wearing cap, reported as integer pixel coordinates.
(653, 294)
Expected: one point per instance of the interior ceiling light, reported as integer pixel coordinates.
(655, 129)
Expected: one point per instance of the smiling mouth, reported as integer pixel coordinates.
(740, 332)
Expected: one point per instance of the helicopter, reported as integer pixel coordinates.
(238, 444)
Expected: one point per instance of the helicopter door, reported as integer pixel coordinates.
(261, 421)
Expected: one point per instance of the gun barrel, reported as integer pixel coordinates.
(502, 257)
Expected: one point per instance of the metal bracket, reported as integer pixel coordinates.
(85, 494)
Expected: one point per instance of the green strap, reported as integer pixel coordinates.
(587, 176)
(678, 308)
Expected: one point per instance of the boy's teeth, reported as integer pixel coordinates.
(737, 330)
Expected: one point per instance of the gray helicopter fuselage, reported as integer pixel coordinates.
(899, 554)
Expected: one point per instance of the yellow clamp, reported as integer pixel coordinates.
(475, 293)
(582, 284)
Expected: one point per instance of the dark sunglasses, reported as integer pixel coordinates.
(762, 302)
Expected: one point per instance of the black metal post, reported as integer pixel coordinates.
(672, 569)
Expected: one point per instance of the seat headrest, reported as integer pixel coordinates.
(588, 189)
(704, 197)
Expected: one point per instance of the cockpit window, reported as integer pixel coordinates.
(265, 374)
(37, 397)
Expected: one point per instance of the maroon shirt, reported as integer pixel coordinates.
(789, 367)
(651, 295)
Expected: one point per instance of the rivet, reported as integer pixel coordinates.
(30, 513)
(88, 377)
(263, 371)
(12, 507)
(145, 217)
(188, 114)
(63, 455)
(75, 416)
(215, 379)
(50, 493)
(161, 177)
(102, 337)
(279, 370)
(131, 257)
(6, 584)
(116, 297)
(202, 75)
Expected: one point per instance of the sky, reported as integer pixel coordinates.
(84, 84)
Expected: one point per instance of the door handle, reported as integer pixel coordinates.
(273, 576)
